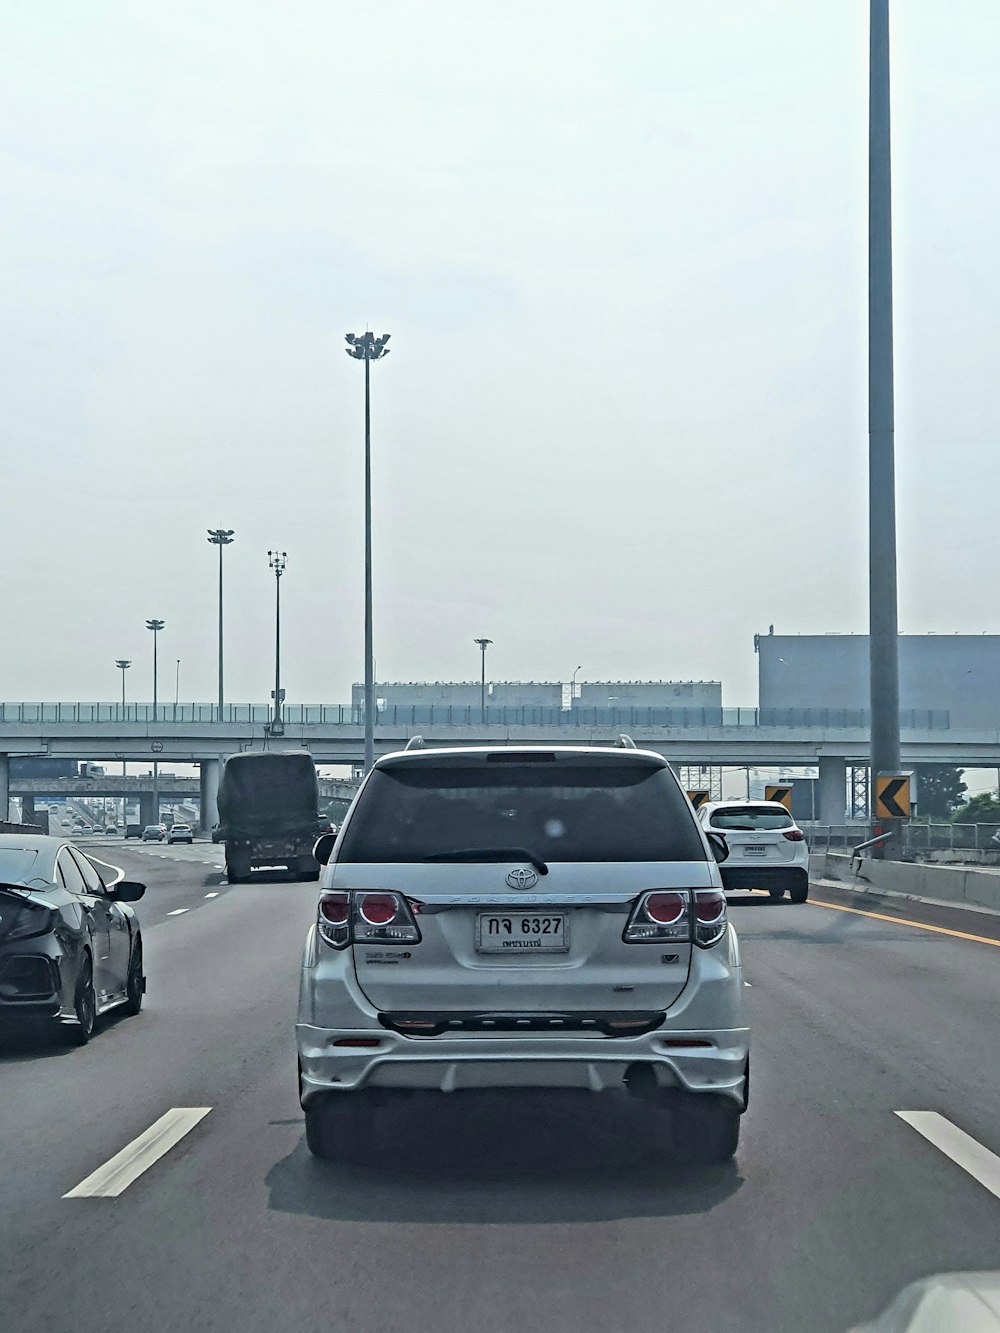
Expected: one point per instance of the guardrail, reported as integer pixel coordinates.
(914, 837)
(448, 715)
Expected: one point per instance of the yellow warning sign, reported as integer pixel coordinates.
(892, 795)
(780, 793)
(698, 797)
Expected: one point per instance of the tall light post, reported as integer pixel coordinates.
(483, 645)
(572, 685)
(277, 560)
(177, 687)
(220, 537)
(123, 665)
(155, 626)
(883, 637)
(368, 348)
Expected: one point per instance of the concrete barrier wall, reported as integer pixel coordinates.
(950, 884)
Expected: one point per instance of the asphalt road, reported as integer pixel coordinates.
(489, 1212)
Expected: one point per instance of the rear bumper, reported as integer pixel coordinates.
(453, 1063)
(762, 877)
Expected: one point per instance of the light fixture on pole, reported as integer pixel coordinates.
(483, 645)
(155, 626)
(220, 537)
(572, 685)
(123, 665)
(277, 560)
(368, 348)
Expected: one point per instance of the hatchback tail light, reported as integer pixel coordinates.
(794, 835)
(365, 918)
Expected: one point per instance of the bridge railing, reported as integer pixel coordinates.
(450, 715)
(915, 838)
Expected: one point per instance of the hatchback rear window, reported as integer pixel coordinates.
(17, 865)
(558, 812)
(748, 819)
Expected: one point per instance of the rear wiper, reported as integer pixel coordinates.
(491, 854)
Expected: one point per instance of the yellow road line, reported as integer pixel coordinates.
(899, 921)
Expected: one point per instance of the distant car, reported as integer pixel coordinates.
(153, 833)
(767, 849)
(180, 833)
(133, 830)
(111, 831)
(70, 944)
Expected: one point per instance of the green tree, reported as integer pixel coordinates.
(940, 790)
(981, 809)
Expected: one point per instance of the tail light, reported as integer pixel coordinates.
(26, 920)
(709, 917)
(794, 835)
(365, 918)
(665, 916)
(659, 918)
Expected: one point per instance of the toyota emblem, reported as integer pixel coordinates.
(522, 879)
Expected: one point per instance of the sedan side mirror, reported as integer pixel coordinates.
(126, 891)
(323, 847)
(719, 845)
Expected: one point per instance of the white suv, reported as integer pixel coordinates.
(522, 917)
(767, 849)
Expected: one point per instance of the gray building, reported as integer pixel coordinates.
(957, 675)
(547, 694)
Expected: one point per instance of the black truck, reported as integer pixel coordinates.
(269, 813)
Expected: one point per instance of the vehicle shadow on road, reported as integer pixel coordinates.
(501, 1158)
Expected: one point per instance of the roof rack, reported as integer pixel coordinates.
(415, 743)
(625, 742)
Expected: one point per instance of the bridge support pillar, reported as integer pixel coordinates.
(148, 813)
(211, 772)
(4, 786)
(832, 790)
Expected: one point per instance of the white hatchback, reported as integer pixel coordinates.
(522, 917)
(767, 849)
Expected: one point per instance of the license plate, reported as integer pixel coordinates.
(754, 851)
(521, 932)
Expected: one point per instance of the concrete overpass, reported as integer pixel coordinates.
(832, 739)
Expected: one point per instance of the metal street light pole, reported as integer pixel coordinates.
(483, 645)
(220, 537)
(177, 687)
(155, 626)
(123, 665)
(572, 686)
(883, 627)
(368, 348)
(276, 560)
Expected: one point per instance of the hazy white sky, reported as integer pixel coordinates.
(621, 252)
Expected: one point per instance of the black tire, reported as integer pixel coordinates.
(84, 1002)
(238, 864)
(799, 891)
(776, 895)
(706, 1126)
(135, 985)
(339, 1125)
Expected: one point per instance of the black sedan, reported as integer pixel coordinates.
(70, 945)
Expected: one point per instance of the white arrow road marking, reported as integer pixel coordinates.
(109, 1180)
(962, 1148)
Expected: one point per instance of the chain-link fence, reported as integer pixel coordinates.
(914, 838)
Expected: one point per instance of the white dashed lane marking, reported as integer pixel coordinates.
(962, 1148)
(211, 895)
(179, 911)
(115, 1176)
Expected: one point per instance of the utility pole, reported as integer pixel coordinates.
(155, 626)
(368, 348)
(277, 560)
(123, 665)
(883, 615)
(483, 645)
(220, 537)
(177, 687)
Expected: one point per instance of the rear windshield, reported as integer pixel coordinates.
(747, 819)
(587, 813)
(17, 865)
